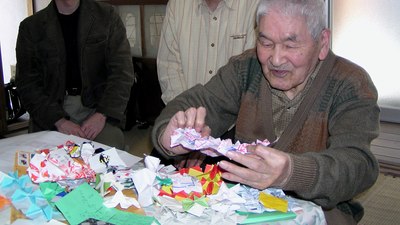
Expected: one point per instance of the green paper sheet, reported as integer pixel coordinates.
(50, 190)
(266, 217)
(84, 202)
(124, 218)
(80, 204)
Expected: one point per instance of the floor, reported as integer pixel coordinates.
(381, 202)
(386, 148)
(139, 141)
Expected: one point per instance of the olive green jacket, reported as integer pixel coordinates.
(104, 57)
(328, 139)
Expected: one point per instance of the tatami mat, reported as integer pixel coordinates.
(382, 202)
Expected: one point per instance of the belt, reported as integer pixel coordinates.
(73, 91)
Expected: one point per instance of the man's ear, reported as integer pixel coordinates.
(324, 43)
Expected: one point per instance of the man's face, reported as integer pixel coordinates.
(287, 52)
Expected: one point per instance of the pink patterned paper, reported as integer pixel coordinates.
(58, 165)
(191, 139)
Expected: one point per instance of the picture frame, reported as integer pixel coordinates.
(153, 21)
(143, 21)
(130, 16)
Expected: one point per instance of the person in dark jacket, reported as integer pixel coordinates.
(74, 70)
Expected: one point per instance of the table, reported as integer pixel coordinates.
(311, 213)
(45, 139)
(41, 140)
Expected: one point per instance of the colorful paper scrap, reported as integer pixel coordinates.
(272, 202)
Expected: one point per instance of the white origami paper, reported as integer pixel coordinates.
(108, 158)
(144, 180)
(121, 199)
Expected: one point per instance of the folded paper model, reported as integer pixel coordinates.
(191, 139)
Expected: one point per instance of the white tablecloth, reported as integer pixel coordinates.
(310, 214)
(41, 140)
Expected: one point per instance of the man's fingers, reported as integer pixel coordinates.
(190, 117)
(251, 161)
(195, 159)
(239, 174)
(179, 119)
(200, 118)
(235, 169)
(206, 131)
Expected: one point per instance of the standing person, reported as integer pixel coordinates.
(321, 108)
(74, 70)
(198, 37)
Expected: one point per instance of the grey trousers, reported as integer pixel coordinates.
(337, 217)
(111, 135)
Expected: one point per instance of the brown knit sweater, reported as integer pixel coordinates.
(328, 139)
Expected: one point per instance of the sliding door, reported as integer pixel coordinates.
(368, 33)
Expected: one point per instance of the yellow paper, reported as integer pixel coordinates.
(167, 189)
(273, 202)
(194, 173)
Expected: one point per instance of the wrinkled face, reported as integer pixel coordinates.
(287, 51)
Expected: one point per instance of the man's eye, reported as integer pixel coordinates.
(266, 43)
(291, 46)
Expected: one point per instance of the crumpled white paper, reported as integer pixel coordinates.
(121, 199)
(165, 216)
(101, 161)
(227, 199)
(145, 179)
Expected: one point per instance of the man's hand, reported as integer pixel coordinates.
(191, 118)
(194, 158)
(264, 167)
(68, 127)
(93, 125)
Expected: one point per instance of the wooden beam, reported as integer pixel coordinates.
(30, 7)
(135, 2)
(3, 119)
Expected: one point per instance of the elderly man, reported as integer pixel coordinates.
(321, 108)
